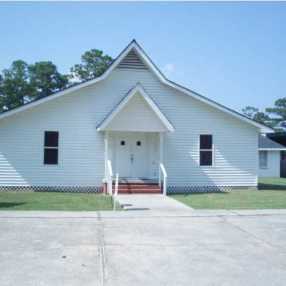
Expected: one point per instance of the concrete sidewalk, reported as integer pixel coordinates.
(184, 213)
(150, 202)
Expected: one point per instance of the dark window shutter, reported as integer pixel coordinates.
(206, 141)
(51, 156)
(51, 139)
(51, 145)
(206, 158)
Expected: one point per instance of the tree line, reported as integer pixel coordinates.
(23, 82)
(272, 115)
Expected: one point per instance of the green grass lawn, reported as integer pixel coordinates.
(54, 201)
(272, 195)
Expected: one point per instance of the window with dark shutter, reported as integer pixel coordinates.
(51, 147)
(206, 150)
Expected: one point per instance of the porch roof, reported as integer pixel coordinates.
(136, 112)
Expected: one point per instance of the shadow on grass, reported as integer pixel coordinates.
(262, 187)
(9, 205)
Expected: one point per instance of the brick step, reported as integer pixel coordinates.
(137, 184)
(138, 187)
(139, 191)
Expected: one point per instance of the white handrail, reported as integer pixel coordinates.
(115, 191)
(165, 176)
(116, 184)
(109, 177)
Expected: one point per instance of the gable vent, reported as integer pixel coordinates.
(132, 61)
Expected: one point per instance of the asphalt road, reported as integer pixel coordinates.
(206, 248)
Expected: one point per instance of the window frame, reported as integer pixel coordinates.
(51, 148)
(206, 150)
(266, 160)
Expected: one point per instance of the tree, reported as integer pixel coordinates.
(254, 114)
(263, 118)
(46, 79)
(250, 111)
(15, 88)
(279, 108)
(22, 83)
(93, 64)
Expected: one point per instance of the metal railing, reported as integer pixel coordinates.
(110, 183)
(109, 177)
(115, 191)
(162, 171)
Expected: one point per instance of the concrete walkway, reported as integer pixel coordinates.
(152, 202)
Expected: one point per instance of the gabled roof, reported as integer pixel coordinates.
(138, 89)
(135, 47)
(266, 143)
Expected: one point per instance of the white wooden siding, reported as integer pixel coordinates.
(143, 117)
(81, 149)
(273, 165)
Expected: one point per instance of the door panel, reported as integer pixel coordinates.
(123, 163)
(140, 155)
(131, 155)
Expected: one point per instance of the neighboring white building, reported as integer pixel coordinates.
(269, 157)
(132, 118)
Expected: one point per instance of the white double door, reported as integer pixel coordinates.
(132, 155)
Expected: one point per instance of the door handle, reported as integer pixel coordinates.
(132, 158)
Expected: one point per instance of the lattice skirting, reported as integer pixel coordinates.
(64, 189)
(100, 189)
(205, 189)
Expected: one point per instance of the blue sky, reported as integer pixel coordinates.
(234, 53)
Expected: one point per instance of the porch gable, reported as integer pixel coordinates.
(136, 112)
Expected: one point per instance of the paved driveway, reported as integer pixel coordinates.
(203, 248)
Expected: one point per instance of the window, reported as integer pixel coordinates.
(263, 159)
(206, 150)
(138, 143)
(51, 146)
(122, 143)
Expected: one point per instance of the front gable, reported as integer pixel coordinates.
(136, 112)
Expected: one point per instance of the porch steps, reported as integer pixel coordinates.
(138, 188)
